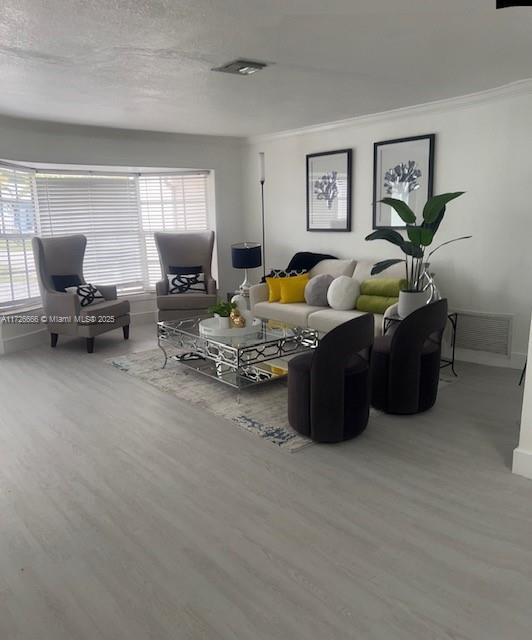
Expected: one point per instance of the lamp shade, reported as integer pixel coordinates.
(246, 255)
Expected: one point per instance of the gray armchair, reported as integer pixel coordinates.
(63, 256)
(190, 249)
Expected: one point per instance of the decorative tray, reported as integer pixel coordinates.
(210, 327)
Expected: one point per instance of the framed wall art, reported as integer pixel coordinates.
(329, 190)
(402, 169)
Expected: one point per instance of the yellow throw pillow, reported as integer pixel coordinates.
(293, 289)
(274, 289)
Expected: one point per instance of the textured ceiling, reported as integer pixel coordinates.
(146, 64)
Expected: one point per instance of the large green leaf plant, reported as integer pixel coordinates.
(420, 237)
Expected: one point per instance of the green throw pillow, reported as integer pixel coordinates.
(374, 304)
(385, 287)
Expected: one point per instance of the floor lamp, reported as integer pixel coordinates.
(262, 181)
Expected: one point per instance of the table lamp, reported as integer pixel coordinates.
(246, 255)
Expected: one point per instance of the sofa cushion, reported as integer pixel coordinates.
(276, 279)
(363, 269)
(293, 289)
(186, 301)
(62, 282)
(316, 290)
(295, 314)
(114, 308)
(327, 319)
(343, 293)
(386, 287)
(335, 267)
(274, 288)
(286, 273)
(375, 304)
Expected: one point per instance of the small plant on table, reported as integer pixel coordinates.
(222, 309)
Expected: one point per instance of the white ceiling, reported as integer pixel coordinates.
(146, 64)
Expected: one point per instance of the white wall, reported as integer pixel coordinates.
(32, 141)
(522, 459)
(483, 146)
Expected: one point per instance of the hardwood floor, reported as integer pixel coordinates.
(126, 514)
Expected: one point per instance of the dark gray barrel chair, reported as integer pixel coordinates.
(188, 249)
(64, 255)
(328, 388)
(405, 365)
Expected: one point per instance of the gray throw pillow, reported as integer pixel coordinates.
(316, 290)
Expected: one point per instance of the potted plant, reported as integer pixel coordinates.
(222, 311)
(420, 237)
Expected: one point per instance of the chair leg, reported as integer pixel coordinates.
(53, 339)
(90, 345)
(125, 330)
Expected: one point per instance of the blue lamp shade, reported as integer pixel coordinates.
(246, 255)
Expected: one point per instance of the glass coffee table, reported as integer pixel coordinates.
(239, 361)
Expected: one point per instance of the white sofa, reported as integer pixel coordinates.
(323, 319)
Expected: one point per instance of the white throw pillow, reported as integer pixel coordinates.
(343, 293)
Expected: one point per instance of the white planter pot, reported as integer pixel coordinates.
(223, 323)
(411, 300)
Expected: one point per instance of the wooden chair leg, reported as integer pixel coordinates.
(53, 339)
(90, 345)
(125, 330)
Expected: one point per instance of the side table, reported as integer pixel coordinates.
(453, 319)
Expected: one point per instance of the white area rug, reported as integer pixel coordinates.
(261, 410)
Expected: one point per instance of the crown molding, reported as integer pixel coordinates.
(513, 89)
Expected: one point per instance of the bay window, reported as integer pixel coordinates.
(118, 212)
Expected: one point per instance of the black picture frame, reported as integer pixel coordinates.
(345, 221)
(430, 138)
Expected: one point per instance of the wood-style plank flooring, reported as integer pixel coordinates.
(126, 514)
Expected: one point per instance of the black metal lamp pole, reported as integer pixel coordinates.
(262, 181)
(263, 233)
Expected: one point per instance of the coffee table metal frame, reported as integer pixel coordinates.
(239, 362)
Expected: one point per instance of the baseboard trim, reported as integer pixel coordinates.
(522, 463)
(143, 317)
(515, 361)
(24, 341)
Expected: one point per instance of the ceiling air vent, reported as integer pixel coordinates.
(241, 67)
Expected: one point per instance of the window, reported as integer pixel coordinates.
(18, 224)
(104, 208)
(170, 203)
(117, 212)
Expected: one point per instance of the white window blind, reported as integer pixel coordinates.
(170, 203)
(117, 212)
(103, 208)
(18, 224)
